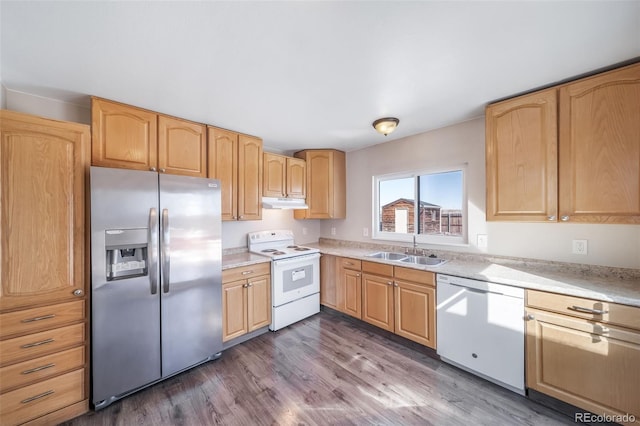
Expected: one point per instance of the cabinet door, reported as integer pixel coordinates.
(521, 156)
(42, 224)
(223, 165)
(377, 301)
(415, 311)
(123, 136)
(275, 172)
(573, 360)
(320, 182)
(328, 277)
(249, 178)
(296, 178)
(600, 148)
(182, 147)
(259, 302)
(234, 310)
(351, 293)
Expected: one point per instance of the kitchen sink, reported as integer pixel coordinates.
(407, 258)
(388, 255)
(423, 260)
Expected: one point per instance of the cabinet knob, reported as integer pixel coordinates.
(245, 285)
(162, 170)
(153, 169)
(530, 317)
(389, 282)
(357, 275)
(551, 218)
(564, 218)
(233, 217)
(78, 293)
(395, 284)
(240, 217)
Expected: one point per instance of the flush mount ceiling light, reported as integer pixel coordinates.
(386, 125)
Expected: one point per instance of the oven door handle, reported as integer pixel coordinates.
(297, 259)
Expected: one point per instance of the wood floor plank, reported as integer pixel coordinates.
(325, 370)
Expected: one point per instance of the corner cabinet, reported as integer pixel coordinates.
(328, 280)
(570, 153)
(43, 291)
(236, 160)
(133, 138)
(326, 184)
(584, 352)
(246, 300)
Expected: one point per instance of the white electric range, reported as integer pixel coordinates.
(295, 276)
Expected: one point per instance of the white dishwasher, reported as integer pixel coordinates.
(480, 328)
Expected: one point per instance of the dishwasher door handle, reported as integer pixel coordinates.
(472, 289)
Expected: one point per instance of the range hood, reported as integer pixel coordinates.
(283, 203)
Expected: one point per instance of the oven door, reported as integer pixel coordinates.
(295, 277)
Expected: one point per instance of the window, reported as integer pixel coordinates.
(438, 216)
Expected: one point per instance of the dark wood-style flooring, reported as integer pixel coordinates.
(325, 370)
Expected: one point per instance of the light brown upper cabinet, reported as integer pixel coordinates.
(133, 138)
(284, 176)
(570, 153)
(521, 154)
(326, 184)
(600, 148)
(236, 160)
(42, 171)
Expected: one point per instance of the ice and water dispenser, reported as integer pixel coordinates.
(127, 253)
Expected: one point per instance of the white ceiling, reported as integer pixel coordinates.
(309, 74)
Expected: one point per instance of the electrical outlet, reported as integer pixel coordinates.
(482, 240)
(304, 231)
(333, 231)
(580, 247)
(365, 232)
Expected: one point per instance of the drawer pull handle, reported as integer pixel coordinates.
(589, 310)
(33, 398)
(42, 367)
(44, 317)
(247, 272)
(31, 345)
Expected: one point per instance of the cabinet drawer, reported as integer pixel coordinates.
(30, 402)
(416, 276)
(38, 344)
(31, 371)
(612, 313)
(348, 263)
(36, 319)
(378, 268)
(245, 272)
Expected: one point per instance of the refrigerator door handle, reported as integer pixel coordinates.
(165, 254)
(153, 250)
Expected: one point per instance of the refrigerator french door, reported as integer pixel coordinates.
(156, 278)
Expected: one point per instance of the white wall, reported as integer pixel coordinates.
(234, 234)
(3, 96)
(47, 107)
(611, 245)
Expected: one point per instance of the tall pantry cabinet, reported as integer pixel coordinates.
(43, 271)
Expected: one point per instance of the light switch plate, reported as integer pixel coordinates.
(333, 231)
(482, 240)
(365, 232)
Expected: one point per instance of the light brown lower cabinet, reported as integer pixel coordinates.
(400, 300)
(586, 362)
(328, 280)
(246, 300)
(349, 287)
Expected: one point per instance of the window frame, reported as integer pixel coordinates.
(376, 234)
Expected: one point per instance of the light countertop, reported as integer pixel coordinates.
(607, 284)
(236, 260)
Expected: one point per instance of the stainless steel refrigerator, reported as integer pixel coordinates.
(155, 278)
